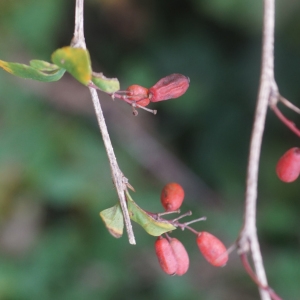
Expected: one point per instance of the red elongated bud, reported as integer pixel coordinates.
(165, 255)
(172, 196)
(138, 94)
(169, 87)
(288, 166)
(212, 249)
(181, 256)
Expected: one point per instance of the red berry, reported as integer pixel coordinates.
(181, 256)
(172, 196)
(288, 166)
(169, 87)
(212, 249)
(165, 255)
(138, 94)
(172, 256)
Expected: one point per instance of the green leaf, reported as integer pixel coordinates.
(76, 61)
(149, 223)
(43, 65)
(108, 85)
(31, 72)
(113, 220)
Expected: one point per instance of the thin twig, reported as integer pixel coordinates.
(248, 239)
(291, 125)
(78, 40)
(118, 178)
(289, 104)
(249, 270)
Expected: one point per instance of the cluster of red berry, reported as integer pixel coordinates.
(171, 253)
(169, 87)
(288, 166)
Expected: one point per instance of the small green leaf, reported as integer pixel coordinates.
(43, 65)
(113, 220)
(149, 223)
(76, 61)
(107, 85)
(30, 72)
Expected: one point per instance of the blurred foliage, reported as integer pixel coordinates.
(54, 175)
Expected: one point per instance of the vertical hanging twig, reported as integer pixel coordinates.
(117, 176)
(78, 37)
(267, 91)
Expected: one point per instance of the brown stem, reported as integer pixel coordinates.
(285, 120)
(190, 229)
(188, 213)
(253, 276)
(289, 104)
(78, 40)
(194, 221)
(248, 239)
(119, 180)
(117, 175)
(158, 215)
(174, 222)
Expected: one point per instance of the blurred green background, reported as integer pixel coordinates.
(54, 174)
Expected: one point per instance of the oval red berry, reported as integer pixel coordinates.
(169, 87)
(138, 94)
(165, 255)
(172, 196)
(288, 166)
(181, 256)
(212, 249)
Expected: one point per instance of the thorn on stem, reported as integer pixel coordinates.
(130, 186)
